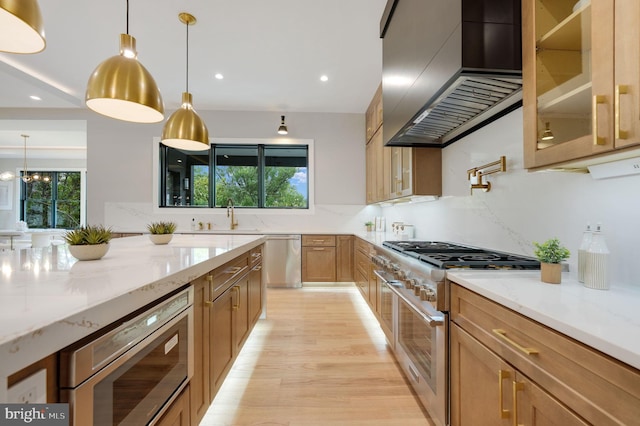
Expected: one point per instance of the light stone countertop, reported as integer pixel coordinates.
(49, 300)
(607, 320)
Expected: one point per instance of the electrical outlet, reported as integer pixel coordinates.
(32, 390)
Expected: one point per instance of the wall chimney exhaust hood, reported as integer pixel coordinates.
(449, 68)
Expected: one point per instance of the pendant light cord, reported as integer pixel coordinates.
(187, 25)
(25, 155)
(127, 17)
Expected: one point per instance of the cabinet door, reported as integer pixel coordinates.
(344, 258)
(371, 183)
(242, 323)
(567, 80)
(255, 293)
(178, 413)
(627, 73)
(221, 346)
(535, 407)
(200, 395)
(400, 172)
(319, 264)
(480, 383)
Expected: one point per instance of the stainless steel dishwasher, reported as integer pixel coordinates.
(283, 261)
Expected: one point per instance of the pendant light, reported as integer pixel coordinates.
(26, 177)
(185, 129)
(282, 130)
(547, 135)
(121, 88)
(21, 27)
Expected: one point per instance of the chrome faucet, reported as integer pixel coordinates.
(234, 222)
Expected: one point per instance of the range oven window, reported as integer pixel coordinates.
(386, 305)
(418, 340)
(134, 392)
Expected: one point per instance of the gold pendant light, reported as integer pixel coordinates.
(185, 129)
(21, 27)
(121, 88)
(282, 130)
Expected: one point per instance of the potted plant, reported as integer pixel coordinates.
(369, 226)
(551, 253)
(89, 242)
(161, 232)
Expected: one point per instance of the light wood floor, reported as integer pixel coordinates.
(318, 359)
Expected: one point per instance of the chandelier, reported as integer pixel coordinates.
(26, 177)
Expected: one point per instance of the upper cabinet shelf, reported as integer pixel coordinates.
(573, 33)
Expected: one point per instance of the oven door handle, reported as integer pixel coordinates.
(432, 320)
(392, 283)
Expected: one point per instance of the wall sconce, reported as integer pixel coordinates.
(476, 174)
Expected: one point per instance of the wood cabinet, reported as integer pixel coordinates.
(178, 413)
(227, 304)
(344, 258)
(318, 258)
(327, 258)
(415, 172)
(509, 369)
(50, 366)
(397, 172)
(365, 279)
(581, 84)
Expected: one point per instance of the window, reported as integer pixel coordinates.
(252, 175)
(53, 204)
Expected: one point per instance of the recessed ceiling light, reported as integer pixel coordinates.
(35, 98)
(324, 78)
(219, 76)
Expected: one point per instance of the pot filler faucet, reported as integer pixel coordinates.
(230, 213)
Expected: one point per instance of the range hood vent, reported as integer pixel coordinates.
(459, 63)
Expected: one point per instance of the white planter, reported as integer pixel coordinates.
(160, 238)
(89, 252)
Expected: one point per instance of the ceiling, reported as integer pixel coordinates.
(271, 54)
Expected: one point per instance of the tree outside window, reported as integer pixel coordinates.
(53, 204)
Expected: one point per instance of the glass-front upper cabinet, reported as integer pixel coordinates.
(568, 74)
(581, 81)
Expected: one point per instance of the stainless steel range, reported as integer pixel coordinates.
(414, 306)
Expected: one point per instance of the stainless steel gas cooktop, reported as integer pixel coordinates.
(445, 255)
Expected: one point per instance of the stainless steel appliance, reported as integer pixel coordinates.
(130, 373)
(412, 279)
(460, 64)
(283, 261)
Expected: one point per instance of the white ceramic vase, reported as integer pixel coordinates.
(89, 252)
(160, 238)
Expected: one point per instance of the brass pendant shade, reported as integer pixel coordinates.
(122, 88)
(21, 27)
(282, 130)
(185, 129)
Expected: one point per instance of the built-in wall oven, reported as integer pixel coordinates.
(130, 373)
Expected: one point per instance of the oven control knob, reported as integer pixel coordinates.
(428, 294)
(409, 283)
(394, 266)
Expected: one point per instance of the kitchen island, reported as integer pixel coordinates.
(49, 300)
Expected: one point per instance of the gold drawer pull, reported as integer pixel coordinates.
(234, 269)
(597, 99)
(502, 376)
(503, 335)
(318, 249)
(621, 89)
(517, 386)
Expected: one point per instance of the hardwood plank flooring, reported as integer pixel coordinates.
(319, 358)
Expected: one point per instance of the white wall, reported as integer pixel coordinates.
(523, 207)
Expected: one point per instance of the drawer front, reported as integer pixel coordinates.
(362, 263)
(599, 388)
(363, 246)
(255, 255)
(319, 240)
(227, 274)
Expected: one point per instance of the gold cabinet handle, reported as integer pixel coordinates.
(621, 89)
(210, 278)
(236, 289)
(502, 376)
(503, 335)
(597, 99)
(318, 249)
(517, 386)
(208, 303)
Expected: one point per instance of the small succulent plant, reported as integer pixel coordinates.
(551, 251)
(88, 235)
(162, 227)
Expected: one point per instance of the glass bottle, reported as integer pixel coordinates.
(597, 262)
(582, 252)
